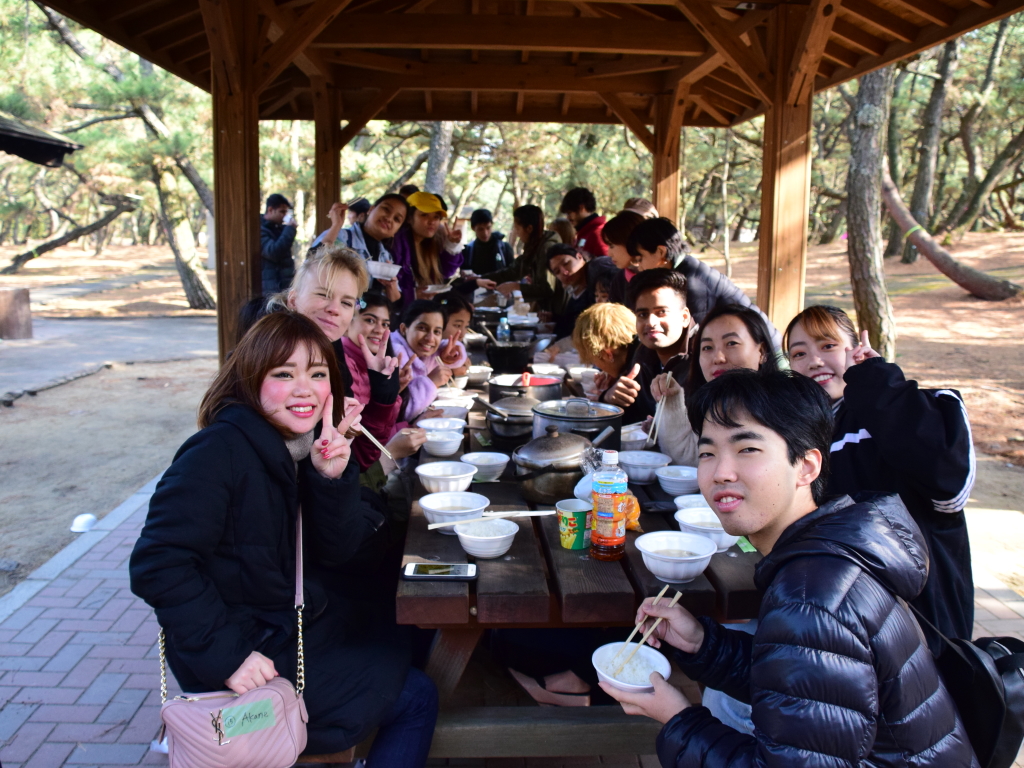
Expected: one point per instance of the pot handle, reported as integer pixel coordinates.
(608, 431)
(494, 409)
(534, 474)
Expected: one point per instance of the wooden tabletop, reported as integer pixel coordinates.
(539, 583)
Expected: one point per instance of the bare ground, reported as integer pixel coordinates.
(87, 445)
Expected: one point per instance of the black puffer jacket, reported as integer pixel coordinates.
(216, 560)
(837, 673)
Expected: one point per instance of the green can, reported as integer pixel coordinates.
(574, 523)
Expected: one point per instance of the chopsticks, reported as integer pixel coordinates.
(656, 421)
(493, 516)
(637, 627)
(376, 442)
(647, 634)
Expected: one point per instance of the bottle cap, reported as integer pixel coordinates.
(610, 457)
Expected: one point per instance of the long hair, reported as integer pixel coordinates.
(268, 344)
(426, 261)
(530, 216)
(756, 327)
(325, 263)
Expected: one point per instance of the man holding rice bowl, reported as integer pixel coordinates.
(836, 672)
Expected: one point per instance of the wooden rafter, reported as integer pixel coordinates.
(159, 19)
(295, 39)
(520, 102)
(358, 121)
(287, 98)
(720, 35)
(817, 27)
(856, 38)
(566, 102)
(309, 61)
(844, 57)
(701, 101)
(693, 71)
(374, 61)
(929, 10)
(881, 20)
(630, 120)
(634, 65)
(511, 33)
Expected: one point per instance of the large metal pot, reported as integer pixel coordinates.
(548, 467)
(511, 384)
(580, 417)
(518, 423)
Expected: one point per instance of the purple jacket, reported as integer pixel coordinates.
(403, 251)
(421, 391)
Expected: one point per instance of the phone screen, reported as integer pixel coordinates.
(440, 569)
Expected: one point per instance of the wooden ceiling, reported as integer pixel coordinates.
(572, 61)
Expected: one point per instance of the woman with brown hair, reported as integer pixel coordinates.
(428, 251)
(216, 557)
(529, 273)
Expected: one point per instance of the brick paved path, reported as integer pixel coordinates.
(79, 677)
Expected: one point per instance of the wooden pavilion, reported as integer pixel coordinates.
(654, 65)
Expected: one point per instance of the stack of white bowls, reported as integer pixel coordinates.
(677, 481)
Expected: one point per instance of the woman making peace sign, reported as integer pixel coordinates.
(216, 558)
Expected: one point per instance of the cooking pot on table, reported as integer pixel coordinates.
(515, 420)
(548, 467)
(511, 384)
(580, 417)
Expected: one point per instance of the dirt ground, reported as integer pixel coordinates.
(88, 445)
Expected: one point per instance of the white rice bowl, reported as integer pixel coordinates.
(635, 676)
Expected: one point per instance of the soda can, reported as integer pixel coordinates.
(574, 523)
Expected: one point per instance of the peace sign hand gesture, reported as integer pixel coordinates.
(406, 374)
(861, 352)
(331, 452)
(451, 353)
(380, 362)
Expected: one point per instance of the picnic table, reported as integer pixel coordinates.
(538, 584)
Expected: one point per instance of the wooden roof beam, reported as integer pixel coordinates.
(159, 19)
(636, 65)
(844, 57)
(295, 39)
(814, 34)
(705, 106)
(857, 38)
(881, 19)
(309, 61)
(365, 115)
(630, 120)
(723, 39)
(930, 10)
(511, 33)
(967, 19)
(693, 71)
(374, 61)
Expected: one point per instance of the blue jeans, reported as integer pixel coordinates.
(404, 735)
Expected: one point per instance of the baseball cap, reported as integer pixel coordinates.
(427, 202)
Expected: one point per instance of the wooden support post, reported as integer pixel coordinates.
(668, 120)
(786, 185)
(232, 29)
(327, 152)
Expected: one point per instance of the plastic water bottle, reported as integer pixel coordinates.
(610, 491)
(504, 331)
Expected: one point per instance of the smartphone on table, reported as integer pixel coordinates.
(440, 571)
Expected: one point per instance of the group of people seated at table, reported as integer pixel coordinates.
(848, 478)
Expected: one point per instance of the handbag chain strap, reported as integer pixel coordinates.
(300, 604)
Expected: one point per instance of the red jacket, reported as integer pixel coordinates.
(379, 419)
(590, 230)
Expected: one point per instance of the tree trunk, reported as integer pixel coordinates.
(931, 126)
(975, 281)
(835, 223)
(190, 270)
(409, 172)
(439, 154)
(143, 109)
(863, 196)
(892, 146)
(725, 207)
(121, 204)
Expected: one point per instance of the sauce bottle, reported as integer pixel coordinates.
(608, 535)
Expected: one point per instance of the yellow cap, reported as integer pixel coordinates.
(426, 202)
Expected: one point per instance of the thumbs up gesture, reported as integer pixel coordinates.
(625, 390)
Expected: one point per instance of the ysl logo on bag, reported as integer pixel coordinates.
(218, 727)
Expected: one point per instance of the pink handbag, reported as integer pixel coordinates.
(263, 728)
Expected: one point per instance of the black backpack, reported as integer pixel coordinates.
(985, 679)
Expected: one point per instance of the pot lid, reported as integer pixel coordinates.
(516, 405)
(555, 449)
(578, 408)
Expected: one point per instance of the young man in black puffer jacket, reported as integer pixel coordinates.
(837, 673)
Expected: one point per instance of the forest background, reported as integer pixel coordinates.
(955, 147)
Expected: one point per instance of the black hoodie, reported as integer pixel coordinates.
(838, 673)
